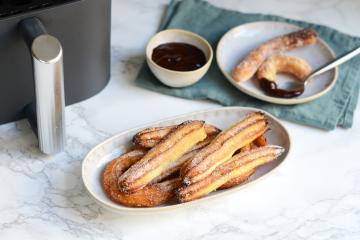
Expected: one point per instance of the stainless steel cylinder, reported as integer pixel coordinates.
(47, 56)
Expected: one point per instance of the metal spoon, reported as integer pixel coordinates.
(297, 85)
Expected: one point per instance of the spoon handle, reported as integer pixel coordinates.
(336, 62)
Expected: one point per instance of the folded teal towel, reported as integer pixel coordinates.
(336, 108)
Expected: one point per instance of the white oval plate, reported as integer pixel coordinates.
(239, 41)
(96, 160)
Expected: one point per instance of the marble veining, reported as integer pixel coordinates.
(314, 195)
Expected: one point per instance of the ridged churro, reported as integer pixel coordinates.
(283, 64)
(149, 137)
(237, 180)
(126, 160)
(149, 196)
(237, 166)
(250, 64)
(170, 149)
(224, 146)
(175, 166)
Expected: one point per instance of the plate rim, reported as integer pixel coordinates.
(120, 209)
(263, 97)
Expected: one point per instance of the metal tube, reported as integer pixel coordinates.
(47, 58)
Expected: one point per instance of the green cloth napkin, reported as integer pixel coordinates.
(336, 108)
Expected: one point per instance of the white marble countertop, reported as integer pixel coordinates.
(314, 195)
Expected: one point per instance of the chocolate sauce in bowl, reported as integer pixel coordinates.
(271, 89)
(178, 56)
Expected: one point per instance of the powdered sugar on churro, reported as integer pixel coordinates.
(226, 142)
(182, 138)
(249, 65)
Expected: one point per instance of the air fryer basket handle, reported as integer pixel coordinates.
(47, 59)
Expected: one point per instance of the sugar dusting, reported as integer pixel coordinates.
(208, 156)
(156, 156)
(249, 65)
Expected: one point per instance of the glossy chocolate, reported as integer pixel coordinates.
(178, 56)
(271, 89)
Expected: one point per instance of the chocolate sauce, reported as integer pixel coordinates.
(271, 89)
(178, 56)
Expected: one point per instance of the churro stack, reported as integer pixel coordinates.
(188, 161)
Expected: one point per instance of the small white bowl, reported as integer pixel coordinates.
(173, 78)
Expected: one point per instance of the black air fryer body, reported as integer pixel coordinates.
(82, 27)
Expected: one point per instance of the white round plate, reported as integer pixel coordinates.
(96, 160)
(239, 41)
